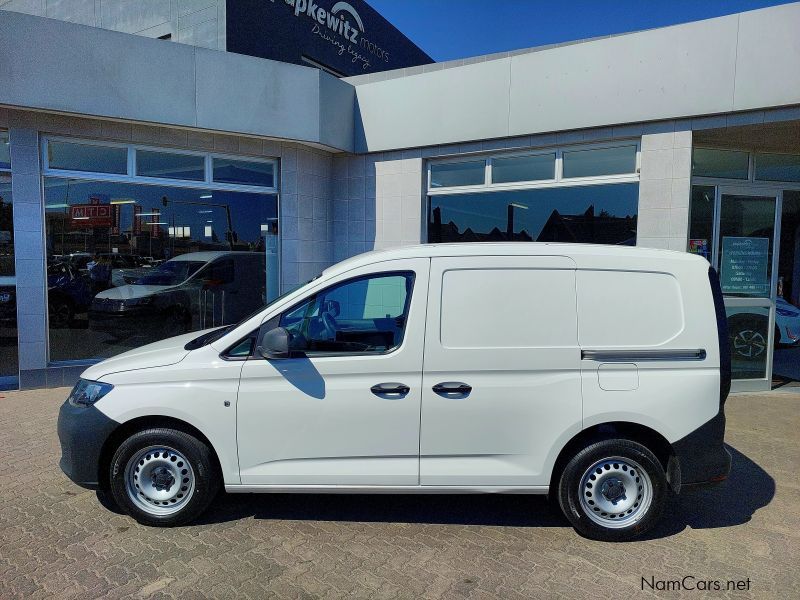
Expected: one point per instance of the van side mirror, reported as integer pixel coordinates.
(273, 344)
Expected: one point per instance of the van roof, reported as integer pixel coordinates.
(621, 253)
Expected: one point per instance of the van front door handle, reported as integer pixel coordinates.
(452, 388)
(383, 389)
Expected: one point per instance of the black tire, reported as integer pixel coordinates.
(626, 458)
(201, 464)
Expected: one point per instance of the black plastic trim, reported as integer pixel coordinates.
(702, 455)
(82, 431)
(722, 336)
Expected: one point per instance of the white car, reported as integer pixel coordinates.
(597, 374)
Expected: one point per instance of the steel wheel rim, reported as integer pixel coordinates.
(159, 480)
(615, 492)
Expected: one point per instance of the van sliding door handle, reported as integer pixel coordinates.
(382, 389)
(448, 388)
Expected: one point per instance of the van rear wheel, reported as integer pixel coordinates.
(163, 477)
(613, 490)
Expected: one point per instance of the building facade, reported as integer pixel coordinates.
(161, 162)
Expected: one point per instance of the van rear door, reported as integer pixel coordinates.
(501, 389)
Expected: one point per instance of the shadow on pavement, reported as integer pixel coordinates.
(733, 502)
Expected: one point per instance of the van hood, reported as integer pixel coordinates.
(158, 354)
(126, 292)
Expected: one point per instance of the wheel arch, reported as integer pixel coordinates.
(128, 428)
(649, 438)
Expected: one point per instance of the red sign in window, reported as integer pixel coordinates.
(90, 215)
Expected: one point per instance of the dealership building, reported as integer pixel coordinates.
(135, 170)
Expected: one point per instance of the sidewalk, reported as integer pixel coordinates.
(56, 540)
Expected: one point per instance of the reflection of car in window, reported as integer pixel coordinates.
(198, 289)
(68, 294)
(787, 323)
(748, 329)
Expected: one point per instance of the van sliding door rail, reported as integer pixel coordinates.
(642, 355)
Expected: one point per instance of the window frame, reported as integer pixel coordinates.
(558, 179)
(751, 170)
(732, 180)
(131, 176)
(133, 163)
(210, 170)
(754, 164)
(313, 296)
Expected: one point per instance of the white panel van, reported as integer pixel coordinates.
(595, 374)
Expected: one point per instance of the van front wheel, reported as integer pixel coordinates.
(163, 477)
(613, 490)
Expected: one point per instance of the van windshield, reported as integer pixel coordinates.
(171, 272)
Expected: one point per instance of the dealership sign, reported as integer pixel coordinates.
(337, 36)
(342, 27)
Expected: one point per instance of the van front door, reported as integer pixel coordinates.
(345, 411)
(501, 388)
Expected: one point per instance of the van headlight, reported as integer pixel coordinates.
(86, 393)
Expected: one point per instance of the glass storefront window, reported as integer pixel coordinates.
(244, 172)
(777, 167)
(453, 174)
(128, 264)
(5, 151)
(748, 329)
(524, 168)
(746, 231)
(6, 228)
(9, 364)
(599, 161)
(169, 165)
(725, 164)
(75, 156)
(600, 214)
(786, 360)
(701, 220)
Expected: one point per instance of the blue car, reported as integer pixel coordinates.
(68, 293)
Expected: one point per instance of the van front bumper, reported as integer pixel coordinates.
(702, 455)
(82, 432)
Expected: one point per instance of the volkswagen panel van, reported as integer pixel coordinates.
(595, 374)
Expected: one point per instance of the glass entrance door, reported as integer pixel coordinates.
(744, 256)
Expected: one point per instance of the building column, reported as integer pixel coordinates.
(665, 186)
(29, 256)
(399, 200)
(305, 209)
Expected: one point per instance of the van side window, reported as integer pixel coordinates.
(360, 316)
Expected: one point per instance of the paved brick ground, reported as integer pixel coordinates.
(57, 541)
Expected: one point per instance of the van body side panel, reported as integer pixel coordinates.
(662, 322)
(193, 390)
(506, 327)
(313, 419)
